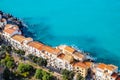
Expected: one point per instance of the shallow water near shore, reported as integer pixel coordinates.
(91, 25)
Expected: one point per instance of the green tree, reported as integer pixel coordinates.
(3, 47)
(65, 72)
(3, 62)
(47, 76)
(8, 49)
(20, 52)
(79, 77)
(67, 75)
(71, 75)
(8, 61)
(2, 54)
(8, 75)
(10, 64)
(8, 58)
(44, 62)
(38, 74)
(24, 68)
(30, 56)
(41, 61)
(38, 60)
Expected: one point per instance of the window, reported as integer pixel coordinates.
(43, 51)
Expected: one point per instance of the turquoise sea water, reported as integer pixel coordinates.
(91, 25)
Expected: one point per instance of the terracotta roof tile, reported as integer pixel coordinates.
(102, 66)
(78, 54)
(11, 26)
(19, 38)
(70, 49)
(29, 39)
(89, 64)
(9, 31)
(80, 64)
(8, 26)
(51, 50)
(57, 51)
(68, 58)
(111, 67)
(35, 44)
(108, 67)
(61, 56)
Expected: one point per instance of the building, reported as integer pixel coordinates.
(81, 68)
(19, 41)
(51, 55)
(66, 49)
(64, 61)
(79, 56)
(35, 48)
(105, 72)
(69, 50)
(9, 31)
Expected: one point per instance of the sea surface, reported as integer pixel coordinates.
(90, 25)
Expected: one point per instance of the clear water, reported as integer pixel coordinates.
(91, 25)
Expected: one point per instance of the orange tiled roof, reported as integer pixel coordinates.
(19, 38)
(111, 67)
(51, 50)
(61, 56)
(57, 51)
(35, 44)
(78, 54)
(108, 67)
(68, 58)
(41, 47)
(28, 39)
(70, 49)
(89, 64)
(80, 64)
(101, 66)
(9, 31)
(10, 26)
